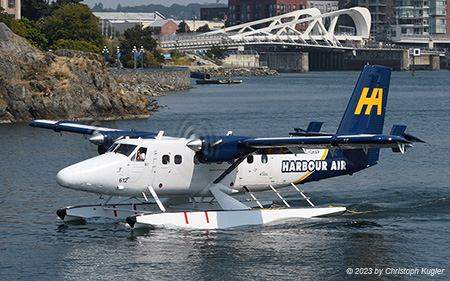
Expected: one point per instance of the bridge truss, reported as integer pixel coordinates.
(307, 28)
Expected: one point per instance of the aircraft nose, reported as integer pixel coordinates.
(65, 177)
(96, 174)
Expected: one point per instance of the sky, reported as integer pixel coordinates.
(113, 3)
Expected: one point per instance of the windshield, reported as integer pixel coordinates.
(112, 147)
(124, 149)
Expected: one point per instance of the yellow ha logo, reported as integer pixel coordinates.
(375, 99)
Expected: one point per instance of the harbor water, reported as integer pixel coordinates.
(398, 228)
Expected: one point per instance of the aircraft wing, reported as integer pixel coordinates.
(328, 142)
(227, 148)
(69, 126)
(101, 136)
(280, 142)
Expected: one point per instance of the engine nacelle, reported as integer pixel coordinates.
(210, 149)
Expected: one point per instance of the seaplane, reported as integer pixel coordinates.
(201, 182)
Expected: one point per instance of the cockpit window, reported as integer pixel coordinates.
(124, 149)
(139, 156)
(112, 147)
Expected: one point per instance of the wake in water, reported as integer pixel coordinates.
(429, 208)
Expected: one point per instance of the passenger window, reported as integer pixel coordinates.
(178, 159)
(264, 159)
(166, 159)
(250, 159)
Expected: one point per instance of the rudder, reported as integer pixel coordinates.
(367, 106)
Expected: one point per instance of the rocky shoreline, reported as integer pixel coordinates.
(64, 84)
(219, 71)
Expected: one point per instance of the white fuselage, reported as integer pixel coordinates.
(170, 167)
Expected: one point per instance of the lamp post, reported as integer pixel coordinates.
(106, 53)
(118, 57)
(142, 57)
(134, 51)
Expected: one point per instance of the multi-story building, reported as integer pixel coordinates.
(440, 17)
(241, 11)
(214, 14)
(382, 16)
(12, 7)
(324, 6)
(412, 17)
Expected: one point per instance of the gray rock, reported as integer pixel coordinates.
(65, 84)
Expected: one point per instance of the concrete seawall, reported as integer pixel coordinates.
(286, 61)
(323, 59)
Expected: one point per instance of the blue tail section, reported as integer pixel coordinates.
(367, 107)
(365, 113)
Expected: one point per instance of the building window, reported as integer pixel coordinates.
(12, 4)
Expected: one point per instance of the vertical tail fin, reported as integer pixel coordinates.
(366, 109)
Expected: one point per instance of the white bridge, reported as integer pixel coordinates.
(307, 28)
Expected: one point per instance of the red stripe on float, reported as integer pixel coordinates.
(186, 218)
(115, 212)
(206, 215)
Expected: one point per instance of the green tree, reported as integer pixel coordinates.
(30, 30)
(61, 3)
(4, 17)
(75, 45)
(136, 36)
(76, 24)
(203, 28)
(34, 9)
(183, 28)
(217, 52)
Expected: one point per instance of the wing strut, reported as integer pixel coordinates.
(155, 196)
(279, 196)
(303, 195)
(229, 170)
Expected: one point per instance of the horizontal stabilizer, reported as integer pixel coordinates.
(312, 130)
(412, 138)
(314, 126)
(399, 130)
